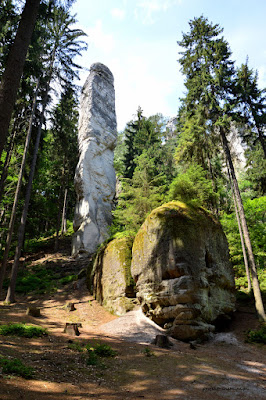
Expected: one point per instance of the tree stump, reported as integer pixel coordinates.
(71, 307)
(72, 328)
(162, 341)
(33, 311)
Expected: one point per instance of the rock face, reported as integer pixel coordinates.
(95, 176)
(180, 263)
(113, 286)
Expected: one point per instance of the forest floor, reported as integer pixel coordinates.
(224, 368)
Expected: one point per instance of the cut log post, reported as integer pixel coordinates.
(162, 341)
(33, 311)
(72, 328)
(71, 306)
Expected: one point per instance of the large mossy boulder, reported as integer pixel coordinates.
(180, 263)
(113, 286)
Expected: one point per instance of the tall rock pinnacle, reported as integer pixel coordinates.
(95, 175)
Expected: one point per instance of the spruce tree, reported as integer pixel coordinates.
(209, 73)
(251, 103)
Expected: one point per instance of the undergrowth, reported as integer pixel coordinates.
(257, 336)
(94, 352)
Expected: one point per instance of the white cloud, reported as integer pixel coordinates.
(101, 40)
(118, 13)
(262, 76)
(146, 9)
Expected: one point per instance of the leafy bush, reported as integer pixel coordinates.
(16, 367)
(22, 330)
(257, 336)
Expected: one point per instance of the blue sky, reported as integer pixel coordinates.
(137, 40)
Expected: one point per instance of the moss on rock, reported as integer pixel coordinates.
(180, 256)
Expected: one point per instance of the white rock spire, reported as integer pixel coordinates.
(95, 175)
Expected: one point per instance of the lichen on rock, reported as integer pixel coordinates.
(180, 263)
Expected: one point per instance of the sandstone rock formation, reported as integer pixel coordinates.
(180, 263)
(95, 176)
(113, 286)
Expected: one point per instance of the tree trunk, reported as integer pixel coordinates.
(17, 193)
(7, 161)
(63, 222)
(14, 67)
(10, 298)
(58, 221)
(240, 233)
(256, 288)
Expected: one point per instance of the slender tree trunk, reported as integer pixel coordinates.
(256, 287)
(14, 67)
(240, 233)
(63, 222)
(17, 193)
(10, 298)
(6, 163)
(58, 221)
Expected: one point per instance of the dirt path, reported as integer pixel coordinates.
(225, 368)
(216, 370)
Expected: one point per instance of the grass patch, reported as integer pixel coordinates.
(257, 336)
(22, 330)
(68, 279)
(94, 352)
(76, 347)
(147, 352)
(101, 350)
(92, 359)
(16, 367)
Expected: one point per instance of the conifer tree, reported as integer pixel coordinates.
(251, 103)
(209, 73)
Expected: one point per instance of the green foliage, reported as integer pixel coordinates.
(255, 211)
(16, 367)
(101, 350)
(76, 347)
(257, 336)
(145, 172)
(22, 330)
(37, 279)
(192, 187)
(251, 105)
(147, 352)
(56, 168)
(255, 173)
(94, 351)
(68, 279)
